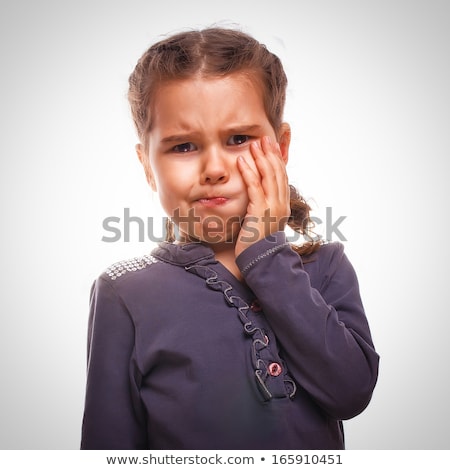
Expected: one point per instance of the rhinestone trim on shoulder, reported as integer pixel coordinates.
(129, 265)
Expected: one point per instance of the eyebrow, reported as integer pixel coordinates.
(244, 129)
(238, 130)
(179, 138)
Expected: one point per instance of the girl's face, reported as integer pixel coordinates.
(200, 127)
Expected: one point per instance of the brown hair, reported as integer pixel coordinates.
(215, 52)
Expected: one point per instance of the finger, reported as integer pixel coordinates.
(273, 151)
(265, 168)
(275, 167)
(252, 181)
(274, 155)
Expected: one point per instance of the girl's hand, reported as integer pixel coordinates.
(268, 209)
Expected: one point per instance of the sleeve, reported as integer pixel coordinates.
(323, 334)
(113, 418)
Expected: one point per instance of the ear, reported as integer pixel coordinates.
(284, 140)
(143, 158)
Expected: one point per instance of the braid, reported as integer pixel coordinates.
(300, 222)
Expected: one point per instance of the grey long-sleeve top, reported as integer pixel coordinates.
(181, 355)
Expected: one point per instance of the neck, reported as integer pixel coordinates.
(228, 259)
(224, 253)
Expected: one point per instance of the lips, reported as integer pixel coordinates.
(212, 201)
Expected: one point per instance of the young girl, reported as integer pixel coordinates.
(228, 337)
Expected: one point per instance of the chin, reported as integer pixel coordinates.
(213, 235)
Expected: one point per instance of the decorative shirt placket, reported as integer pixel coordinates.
(270, 372)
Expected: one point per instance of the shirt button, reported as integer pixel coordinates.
(275, 369)
(255, 306)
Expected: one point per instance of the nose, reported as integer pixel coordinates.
(215, 167)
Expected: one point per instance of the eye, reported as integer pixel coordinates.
(238, 139)
(184, 148)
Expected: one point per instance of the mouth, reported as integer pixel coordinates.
(212, 201)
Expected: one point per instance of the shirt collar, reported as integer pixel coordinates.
(184, 254)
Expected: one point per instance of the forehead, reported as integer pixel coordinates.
(240, 81)
(208, 101)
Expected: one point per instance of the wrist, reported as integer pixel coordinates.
(250, 255)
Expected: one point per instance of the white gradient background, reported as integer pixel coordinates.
(368, 102)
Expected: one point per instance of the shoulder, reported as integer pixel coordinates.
(326, 262)
(128, 266)
(327, 253)
(124, 280)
